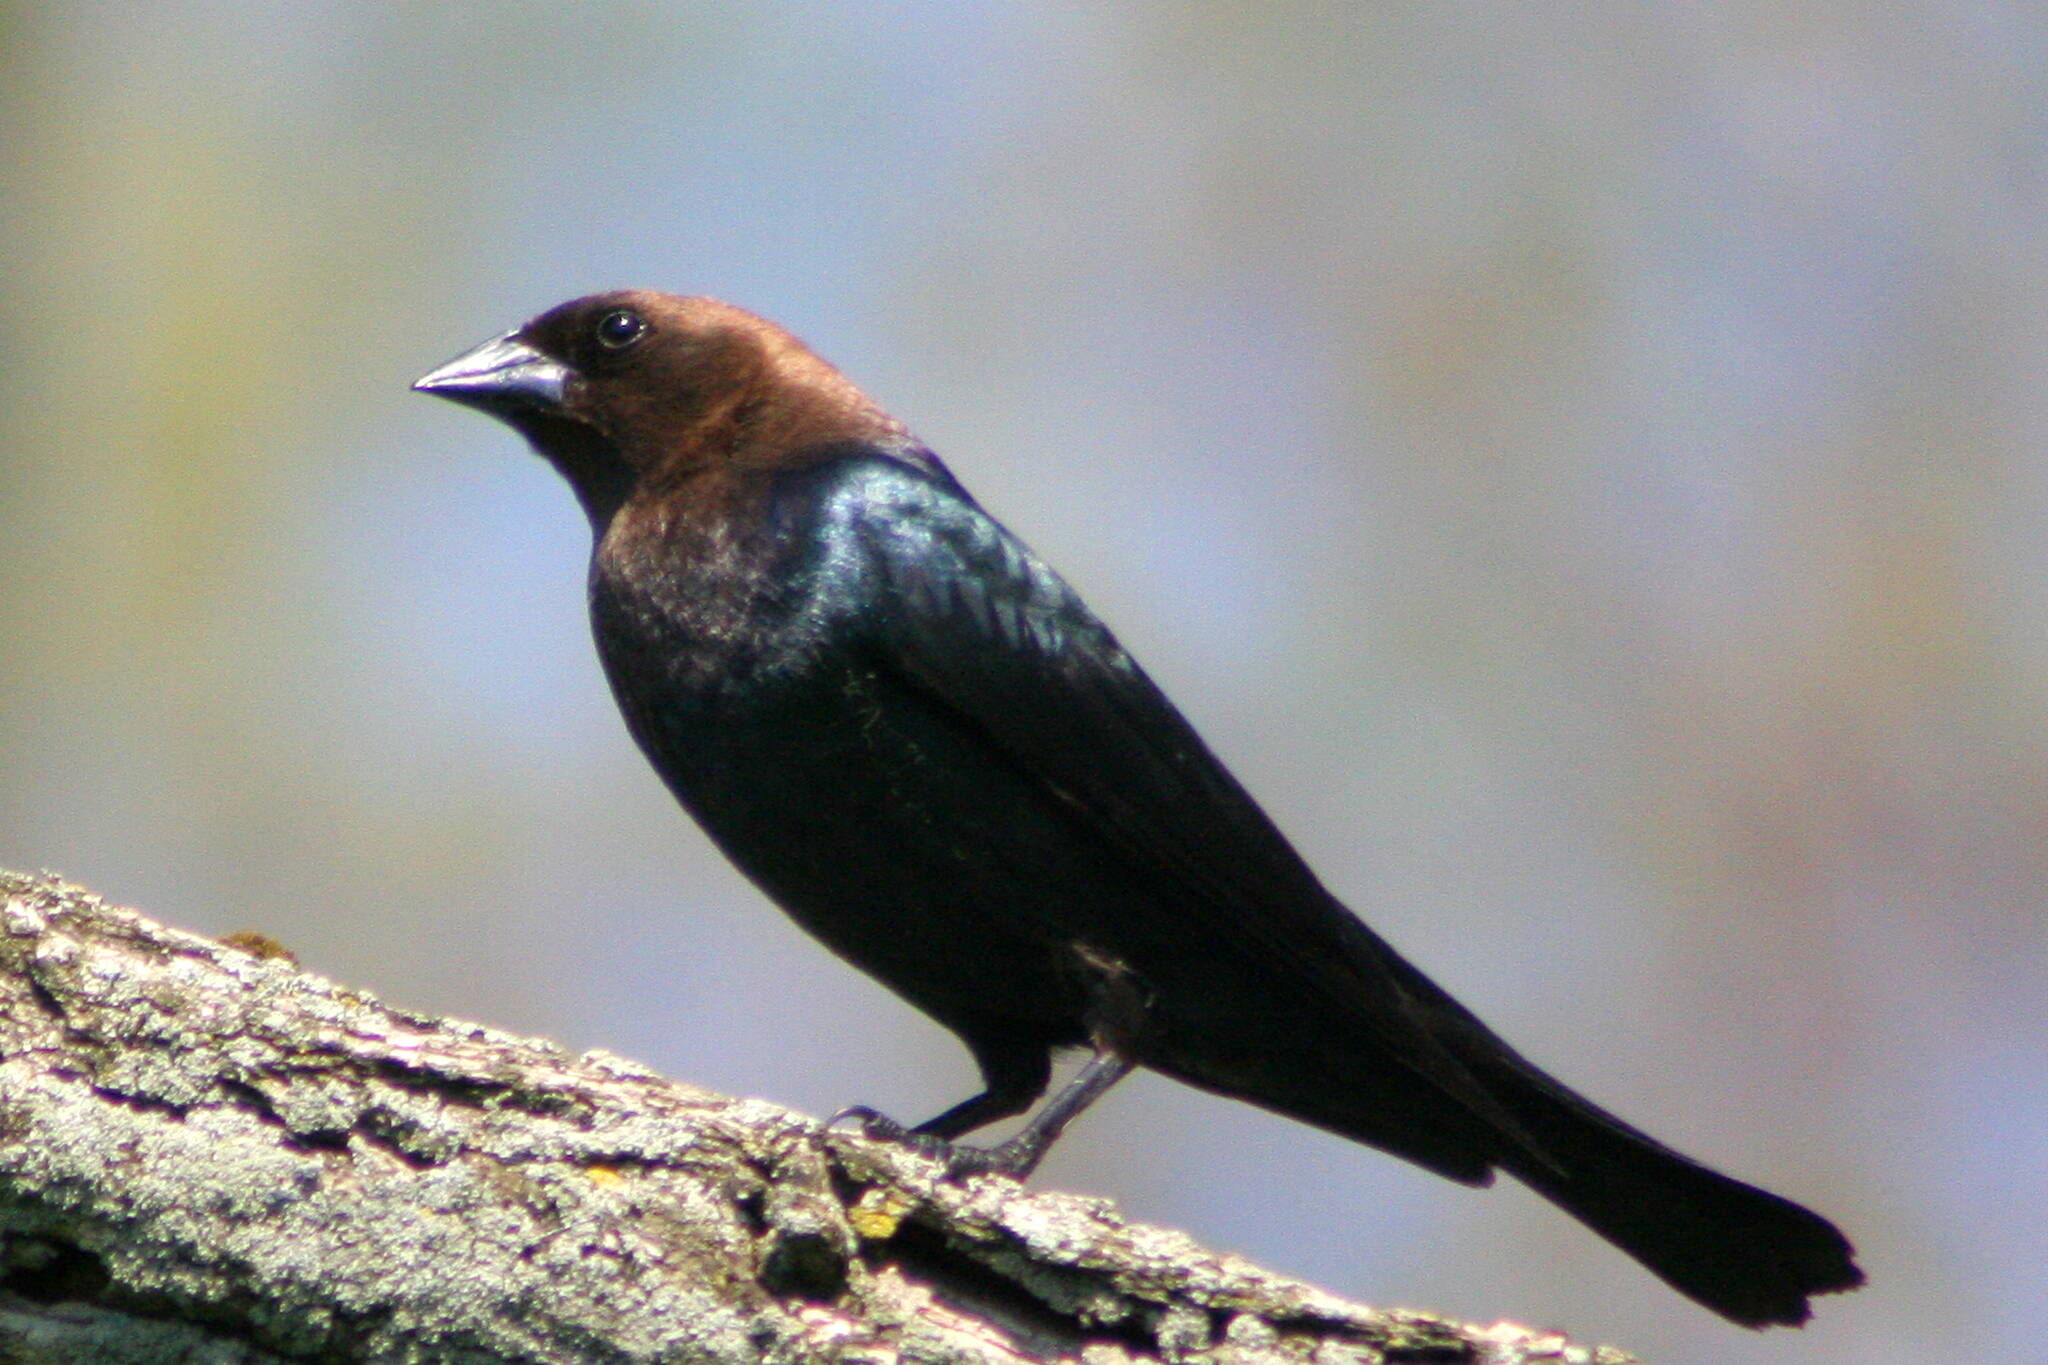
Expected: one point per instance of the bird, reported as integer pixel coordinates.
(914, 737)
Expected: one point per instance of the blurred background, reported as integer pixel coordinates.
(1582, 468)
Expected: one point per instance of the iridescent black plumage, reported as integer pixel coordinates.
(915, 738)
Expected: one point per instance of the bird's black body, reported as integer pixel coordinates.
(822, 772)
(926, 749)
(915, 738)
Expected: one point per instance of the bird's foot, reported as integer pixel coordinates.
(960, 1161)
(1005, 1158)
(872, 1123)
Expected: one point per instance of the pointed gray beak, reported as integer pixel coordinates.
(501, 376)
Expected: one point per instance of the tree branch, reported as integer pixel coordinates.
(206, 1153)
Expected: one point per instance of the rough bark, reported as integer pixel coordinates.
(207, 1154)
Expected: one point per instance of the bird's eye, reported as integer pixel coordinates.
(620, 328)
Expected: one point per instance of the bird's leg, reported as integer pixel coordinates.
(1021, 1154)
(934, 1137)
(979, 1111)
(1017, 1157)
(1014, 1073)
(1118, 1018)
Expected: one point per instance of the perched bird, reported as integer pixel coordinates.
(919, 742)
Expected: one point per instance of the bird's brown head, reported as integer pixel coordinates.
(637, 391)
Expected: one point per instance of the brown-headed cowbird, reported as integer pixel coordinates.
(915, 738)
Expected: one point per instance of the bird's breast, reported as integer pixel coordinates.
(873, 818)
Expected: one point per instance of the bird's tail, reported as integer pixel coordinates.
(1455, 1098)
(1747, 1254)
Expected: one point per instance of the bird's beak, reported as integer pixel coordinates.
(503, 375)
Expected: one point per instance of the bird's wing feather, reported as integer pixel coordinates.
(967, 615)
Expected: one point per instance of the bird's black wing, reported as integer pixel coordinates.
(966, 615)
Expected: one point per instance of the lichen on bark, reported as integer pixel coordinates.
(208, 1154)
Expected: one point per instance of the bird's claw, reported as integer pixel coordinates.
(960, 1161)
(1002, 1159)
(871, 1123)
(867, 1122)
